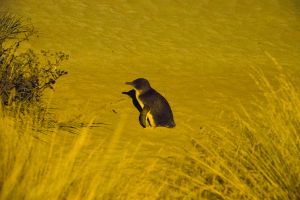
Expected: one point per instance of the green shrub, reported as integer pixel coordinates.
(24, 74)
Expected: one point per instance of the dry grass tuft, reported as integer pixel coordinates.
(257, 157)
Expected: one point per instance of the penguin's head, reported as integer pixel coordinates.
(141, 85)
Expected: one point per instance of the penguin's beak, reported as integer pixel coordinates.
(129, 83)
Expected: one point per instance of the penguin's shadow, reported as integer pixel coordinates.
(131, 94)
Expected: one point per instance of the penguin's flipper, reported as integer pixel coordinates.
(143, 116)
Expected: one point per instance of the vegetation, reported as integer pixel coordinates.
(256, 156)
(24, 74)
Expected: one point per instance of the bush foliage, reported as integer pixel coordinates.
(24, 74)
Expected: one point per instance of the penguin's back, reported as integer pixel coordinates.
(160, 109)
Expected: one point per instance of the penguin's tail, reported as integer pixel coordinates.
(171, 124)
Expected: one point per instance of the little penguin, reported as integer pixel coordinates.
(156, 110)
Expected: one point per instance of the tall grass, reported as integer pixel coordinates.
(256, 157)
(59, 165)
(33, 169)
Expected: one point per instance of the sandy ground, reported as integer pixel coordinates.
(198, 54)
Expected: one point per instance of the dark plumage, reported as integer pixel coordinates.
(156, 111)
